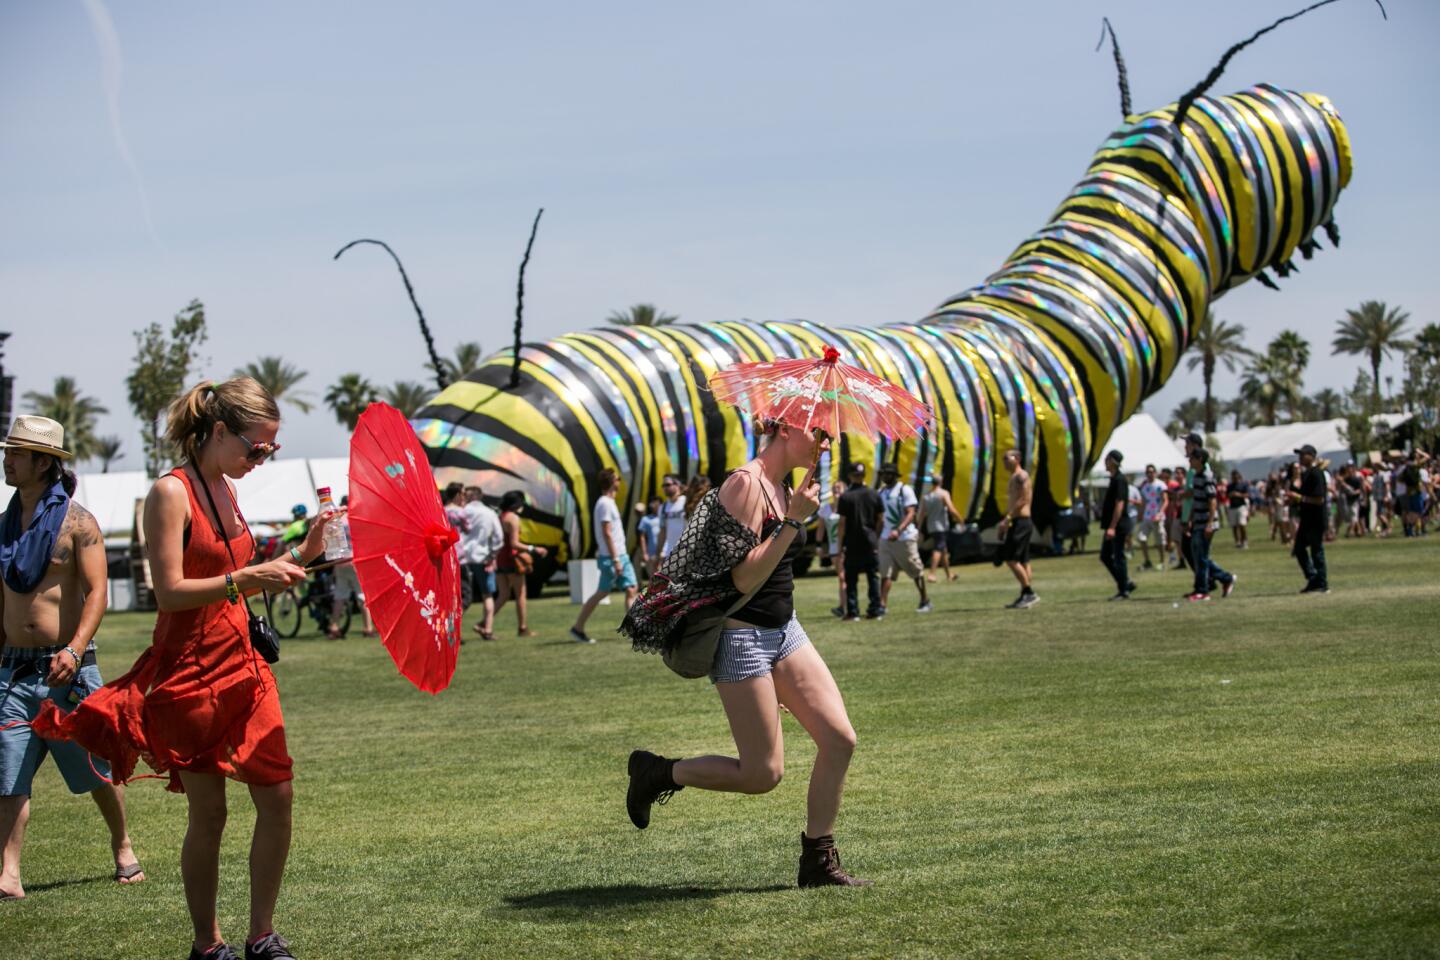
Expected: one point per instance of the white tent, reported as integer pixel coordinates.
(1258, 450)
(1141, 440)
(111, 498)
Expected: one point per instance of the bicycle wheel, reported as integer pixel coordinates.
(344, 620)
(285, 608)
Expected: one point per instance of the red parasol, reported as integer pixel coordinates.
(822, 395)
(404, 548)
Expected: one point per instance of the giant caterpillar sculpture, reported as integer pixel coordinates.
(1048, 355)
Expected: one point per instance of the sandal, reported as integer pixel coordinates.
(127, 875)
(526, 633)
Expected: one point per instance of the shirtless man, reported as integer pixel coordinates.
(50, 606)
(1015, 531)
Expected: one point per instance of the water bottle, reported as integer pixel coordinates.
(337, 532)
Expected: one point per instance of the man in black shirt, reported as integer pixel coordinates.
(1115, 520)
(1308, 496)
(859, 534)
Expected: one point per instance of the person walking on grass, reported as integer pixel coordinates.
(742, 542)
(1307, 496)
(859, 534)
(479, 545)
(514, 562)
(830, 527)
(201, 704)
(1155, 501)
(616, 570)
(1115, 519)
(1204, 506)
(1237, 495)
(647, 533)
(51, 600)
(1016, 529)
(899, 538)
(672, 514)
(937, 514)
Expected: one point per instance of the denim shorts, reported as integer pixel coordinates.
(754, 651)
(22, 689)
(610, 580)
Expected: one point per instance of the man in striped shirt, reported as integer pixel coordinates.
(1203, 524)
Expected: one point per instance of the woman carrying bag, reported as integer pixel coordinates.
(201, 705)
(736, 556)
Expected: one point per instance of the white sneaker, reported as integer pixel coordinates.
(925, 607)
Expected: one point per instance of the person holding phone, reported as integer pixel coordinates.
(764, 659)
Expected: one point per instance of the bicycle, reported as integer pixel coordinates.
(315, 596)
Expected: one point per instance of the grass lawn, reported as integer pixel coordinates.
(1253, 777)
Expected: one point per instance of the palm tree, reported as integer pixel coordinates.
(641, 315)
(1215, 342)
(348, 397)
(1292, 352)
(1266, 385)
(1327, 403)
(1186, 417)
(1373, 330)
(279, 378)
(74, 411)
(107, 451)
(406, 396)
(467, 358)
(1235, 407)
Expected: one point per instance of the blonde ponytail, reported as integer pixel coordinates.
(239, 403)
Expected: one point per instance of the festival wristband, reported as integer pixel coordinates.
(787, 522)
(295, 555)
(74, 656)
(232, 592)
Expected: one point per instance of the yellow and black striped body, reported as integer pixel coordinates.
(1049, 355)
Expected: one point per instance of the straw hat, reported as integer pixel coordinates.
(40, 434)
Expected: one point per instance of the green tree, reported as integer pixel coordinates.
(279, 378)
(467, 358)
(348, 397)
(1236, 408)
(1421, 392)
(1326, 404)
(1372, 329)
(641, 315)
(406, 396)
(1265, 386)
(1215, 343)
(74, 411)
(1361, 405)
(1186, 417)
(162, 364)
(107, 451)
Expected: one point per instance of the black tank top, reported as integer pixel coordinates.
(773, 604)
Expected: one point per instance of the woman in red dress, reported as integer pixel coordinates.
(201, 705)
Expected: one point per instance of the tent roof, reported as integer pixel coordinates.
(1141, 440)
(1279, 442)
(111, 498)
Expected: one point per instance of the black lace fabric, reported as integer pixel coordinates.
(695, 575)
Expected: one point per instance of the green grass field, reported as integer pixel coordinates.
(1254, 777)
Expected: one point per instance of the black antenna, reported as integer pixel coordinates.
(424, 327)
(1120, 74)
(520, 301)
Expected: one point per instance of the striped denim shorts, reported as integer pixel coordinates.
(754, 651)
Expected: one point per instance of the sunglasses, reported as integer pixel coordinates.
(258, 452)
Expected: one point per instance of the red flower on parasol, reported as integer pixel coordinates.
(822, 394)
(404, 548)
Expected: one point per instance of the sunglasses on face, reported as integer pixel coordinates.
(258, 452)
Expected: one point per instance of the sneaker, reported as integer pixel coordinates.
(220, 951)
(849, 619)
(651, 781)
(580, 637)
(876, 614)
(1229, 588)
(837, 612)
(1122, 595)
(1015, 604)
(272, 946)
(1027, 601)
(925, 607)
(1197, 597)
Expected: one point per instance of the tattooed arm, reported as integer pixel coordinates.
(80, 543)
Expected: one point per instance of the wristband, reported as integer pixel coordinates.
(232, 592)
(787, 522)
(74, 656)
(295, 555)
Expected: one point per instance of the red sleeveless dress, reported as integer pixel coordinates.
(200, 699)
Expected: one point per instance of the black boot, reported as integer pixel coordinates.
(820, 865)
(651, 781)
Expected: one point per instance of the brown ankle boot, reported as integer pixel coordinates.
(820, 865)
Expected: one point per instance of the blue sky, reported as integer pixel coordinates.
(841, 162)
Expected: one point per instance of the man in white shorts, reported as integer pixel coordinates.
(1154, 499)
(899, 537)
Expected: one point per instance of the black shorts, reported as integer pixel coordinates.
(1015, 548)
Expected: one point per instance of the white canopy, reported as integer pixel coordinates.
(266, 495)
(1258, 450)
(1141, 440)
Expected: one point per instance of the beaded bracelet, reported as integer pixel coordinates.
(75, 656)
(232, 592)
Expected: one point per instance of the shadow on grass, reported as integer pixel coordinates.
(624, 895)
(71, 882)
